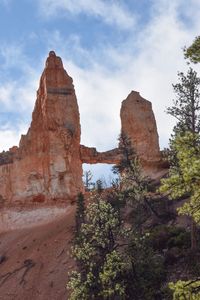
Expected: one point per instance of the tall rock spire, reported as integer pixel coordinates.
(56, 107)
(139, 124)
(47, 165)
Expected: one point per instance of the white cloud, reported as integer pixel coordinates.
(9, 138)
(10, 135)
(18, 101)
(17, 97)
(18, 94)
(109, 12)
(11, 53)
(6, 93)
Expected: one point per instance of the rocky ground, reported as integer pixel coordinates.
(34, 262)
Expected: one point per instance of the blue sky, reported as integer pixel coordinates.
(109, 47)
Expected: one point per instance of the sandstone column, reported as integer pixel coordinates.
(47, 164)
(138, 123)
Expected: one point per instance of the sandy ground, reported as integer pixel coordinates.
(34, 262)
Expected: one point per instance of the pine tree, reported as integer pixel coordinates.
(193, 52)
(80, 212)
(134, 186)
(185, 180)
(96, 252)
(127, 153)
(184, 143)
(186, 106)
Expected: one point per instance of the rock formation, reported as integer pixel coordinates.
(47, 165)
(92, 156)
(139, 125)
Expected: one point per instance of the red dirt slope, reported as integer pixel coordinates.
(34, 262)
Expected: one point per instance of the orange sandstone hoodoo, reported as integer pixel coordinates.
(47, 165)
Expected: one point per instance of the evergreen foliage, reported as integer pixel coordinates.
(186, 106)
(114, 261)
(95, 250)
(185, 180)
(186, 290)
(145, 270)
(128, 154)
(185, 147)
(193, 52)
(134, 186)
(80, 212)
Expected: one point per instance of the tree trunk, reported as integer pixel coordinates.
(193, 235)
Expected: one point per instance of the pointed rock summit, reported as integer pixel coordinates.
(47, 165)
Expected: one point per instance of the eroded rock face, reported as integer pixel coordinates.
(138, 123)
(47, 164)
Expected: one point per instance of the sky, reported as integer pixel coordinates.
(109, 47)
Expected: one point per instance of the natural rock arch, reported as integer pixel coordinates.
(47, 165)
